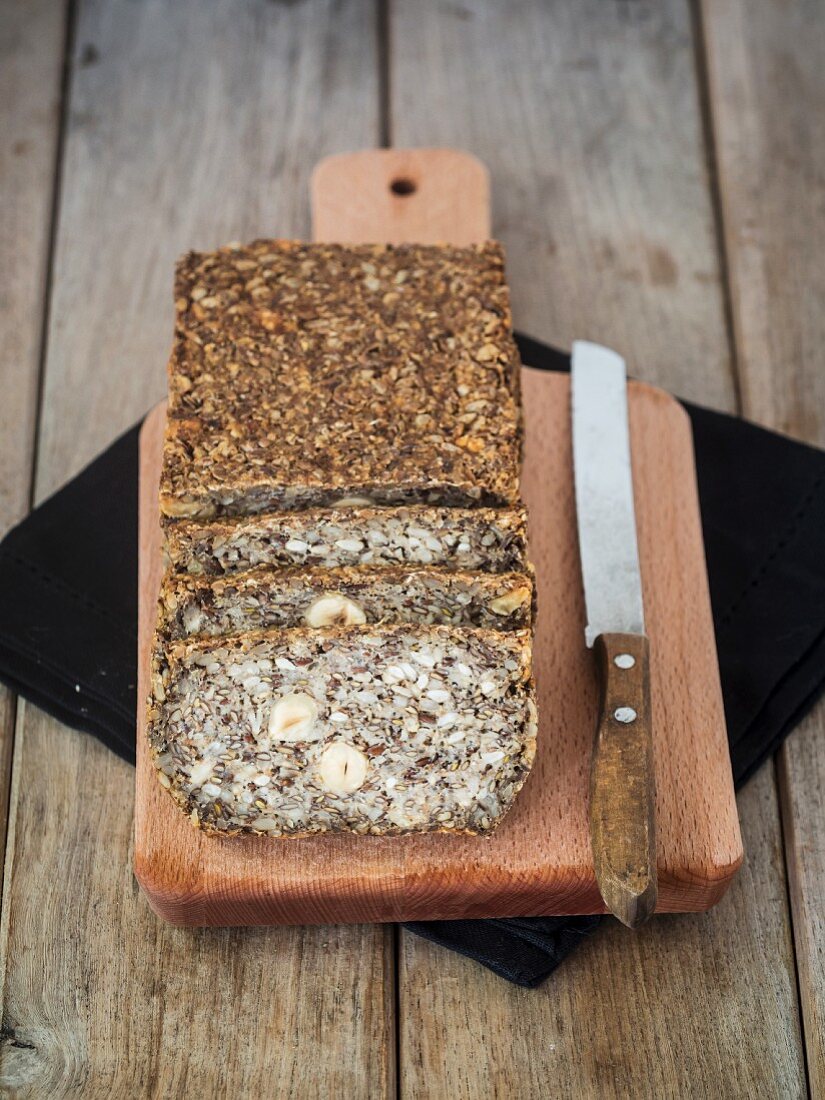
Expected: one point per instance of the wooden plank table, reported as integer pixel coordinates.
(659, 179)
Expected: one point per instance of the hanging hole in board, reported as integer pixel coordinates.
(403, 186)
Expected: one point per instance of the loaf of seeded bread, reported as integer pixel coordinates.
(343, 637)
(318, 597)
(304, 373)
(364, 729)
(470, 539)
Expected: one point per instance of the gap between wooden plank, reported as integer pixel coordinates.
(32, 88)
(385, 142)
(768, 94)
(589, 120)
(384, 72)
(731, 315)
(172, 144)
(709, 145)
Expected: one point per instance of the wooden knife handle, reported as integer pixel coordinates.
(622, 802)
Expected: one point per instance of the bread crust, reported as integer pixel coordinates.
(304, 373)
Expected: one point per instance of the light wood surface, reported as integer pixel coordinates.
(539, 861)
(767, 86)
(31, 63)
(171, 142)
(589, 119)
(586, 115)
(679, 1008)
(199, 122)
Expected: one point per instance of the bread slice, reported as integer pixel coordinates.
(372, 729)
(469, 539)
(265, 598)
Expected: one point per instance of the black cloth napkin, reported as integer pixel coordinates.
(68, 618)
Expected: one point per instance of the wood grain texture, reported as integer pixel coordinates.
(622, 793)
(588, 118)
(539, 861)
(688, 1006)
(31, 65)
(551, 100)
(396, 195)
(801, 774)
(189, 124)
(767, 85)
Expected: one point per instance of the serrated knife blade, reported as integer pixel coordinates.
(622, 794)
(604, 493)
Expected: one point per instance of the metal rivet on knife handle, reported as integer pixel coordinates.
(622, 821)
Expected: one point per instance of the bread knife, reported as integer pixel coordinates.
(622, 796)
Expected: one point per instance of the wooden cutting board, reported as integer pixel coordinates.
(538, 862)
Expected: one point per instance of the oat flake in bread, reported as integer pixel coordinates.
(492, 540)
(303, 373)
(265, 598)
(377, 730)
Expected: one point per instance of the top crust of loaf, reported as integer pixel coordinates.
(303, 373)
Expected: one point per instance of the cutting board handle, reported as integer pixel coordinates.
(401, 196)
